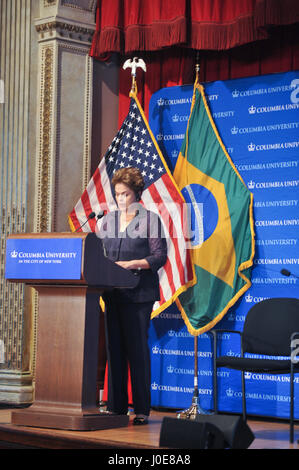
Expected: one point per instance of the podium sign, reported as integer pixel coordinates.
(69, 272)
(48, 258)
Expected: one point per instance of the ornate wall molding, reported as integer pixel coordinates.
(67, 30)
(87, 123)
(87, 5)
(81, 126)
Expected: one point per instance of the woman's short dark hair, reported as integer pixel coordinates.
(130, 176)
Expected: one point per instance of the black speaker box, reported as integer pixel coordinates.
(237, 433)
(190, 434)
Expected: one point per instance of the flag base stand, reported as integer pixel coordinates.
(195, 408)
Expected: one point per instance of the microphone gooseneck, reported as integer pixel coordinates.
(91, 216)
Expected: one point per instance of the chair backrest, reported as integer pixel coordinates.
(268, 326)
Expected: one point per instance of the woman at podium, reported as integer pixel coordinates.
(133, 238)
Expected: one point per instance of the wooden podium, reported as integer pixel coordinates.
(68, 325)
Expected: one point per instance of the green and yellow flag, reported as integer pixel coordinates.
(222, 245)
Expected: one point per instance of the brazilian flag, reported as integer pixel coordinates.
(221, 221)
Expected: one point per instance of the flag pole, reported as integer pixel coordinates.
(195, 408)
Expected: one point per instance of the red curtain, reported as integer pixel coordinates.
(233, 39)
(176, 66)
(127, 26)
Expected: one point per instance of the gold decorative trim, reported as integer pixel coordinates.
(86, 151)
(44, 171)
(87, 123)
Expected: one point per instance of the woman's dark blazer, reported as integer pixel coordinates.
(143, 238)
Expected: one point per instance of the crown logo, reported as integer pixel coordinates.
(155, 350)
(234, 130)
(171, 333)
(159, 137)
(235, 93)
(230, 353)
(14, 254)
(160, 102)
(175, 118)
(154, 386)
(251, 184)
(247, 375)
(170, 369)
(252, 109)
(251, 147)
(248, 298)
(174, 153)
(230, 392)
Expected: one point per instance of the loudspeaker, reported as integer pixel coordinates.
(190, 434)
(237, 433)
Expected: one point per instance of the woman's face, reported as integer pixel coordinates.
(124, 196)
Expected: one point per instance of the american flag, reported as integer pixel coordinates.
(135, 146)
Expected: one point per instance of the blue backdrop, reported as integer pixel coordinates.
(257, 118)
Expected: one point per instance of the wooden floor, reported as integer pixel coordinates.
(268, 435)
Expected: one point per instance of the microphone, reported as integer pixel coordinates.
(100, 215)
(288, 273)
(91, 216)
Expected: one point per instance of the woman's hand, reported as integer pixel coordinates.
(134, 264)
(125, 264)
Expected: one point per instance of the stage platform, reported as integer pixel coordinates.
(268, 435)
